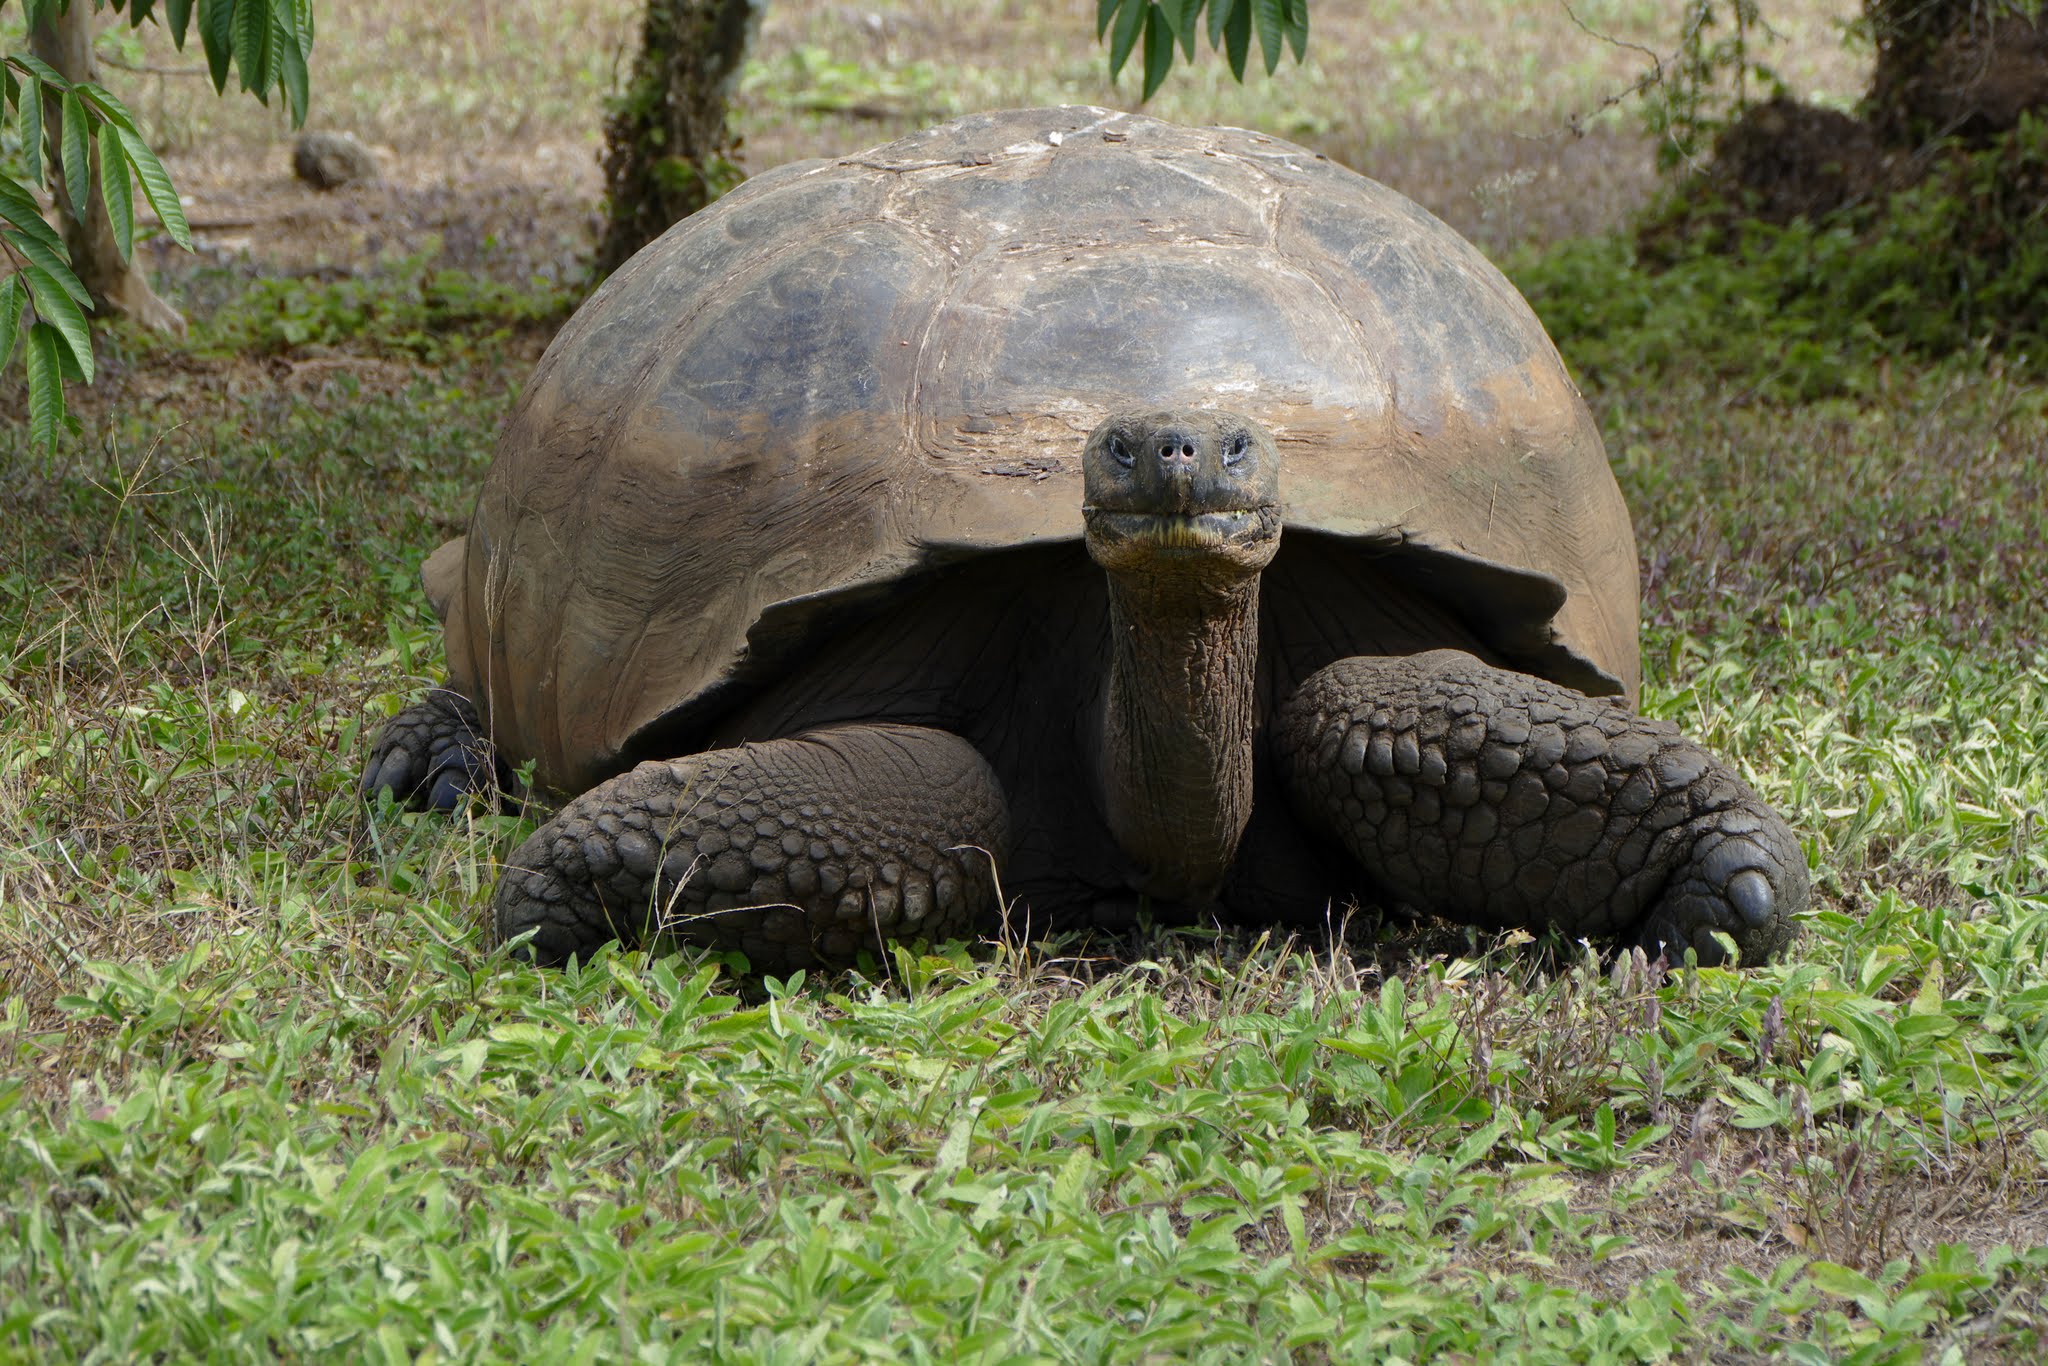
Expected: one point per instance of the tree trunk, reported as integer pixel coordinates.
(1954, 68)
(667, 149)
(118, 287)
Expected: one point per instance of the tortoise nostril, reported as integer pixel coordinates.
(1188, 451)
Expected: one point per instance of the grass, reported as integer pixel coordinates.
(264, 1094)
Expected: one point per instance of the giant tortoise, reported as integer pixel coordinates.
(1051, 513)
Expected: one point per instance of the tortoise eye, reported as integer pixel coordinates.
(1234, 451)
(1120, 452)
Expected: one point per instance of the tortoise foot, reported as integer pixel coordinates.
(1743, 876)
(1501, 799)
(434, 755)
(799, 853)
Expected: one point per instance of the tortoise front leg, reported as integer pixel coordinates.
(433, 754)
(1497, 798)
(798, 852)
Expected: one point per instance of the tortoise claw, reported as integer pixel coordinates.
(433, 755)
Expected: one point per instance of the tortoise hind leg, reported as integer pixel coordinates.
(799, 852)
(1497, 798)
(433, 754)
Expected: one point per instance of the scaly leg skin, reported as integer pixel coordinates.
(433, 755)
(1497, 798)
(798, 852)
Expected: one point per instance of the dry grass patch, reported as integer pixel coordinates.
(1495, 114)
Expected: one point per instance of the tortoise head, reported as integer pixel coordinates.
(1191, 492)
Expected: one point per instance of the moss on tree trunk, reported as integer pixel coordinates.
(668, 151)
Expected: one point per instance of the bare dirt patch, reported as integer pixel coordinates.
(531, 202)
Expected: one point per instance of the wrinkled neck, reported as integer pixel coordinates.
(1176, 758)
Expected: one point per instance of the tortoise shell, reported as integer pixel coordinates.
(847, 375)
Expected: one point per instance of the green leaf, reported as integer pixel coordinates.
(177, 16)
(254, 32)
(1180, 17)
(75, 146)
(1105, 10)
(156, 188)
(292, 76)
(56, 309)
(110, 109)
(1219, 13)
(115, 190)
(67, 363)
(19, 207)
(1237, 37)
(1129, 22)
(526, 1032)
(42, 70)
(1185, 26)
(59, 267)
(45, 390)
(32, 128)
(1158, 50)
(1831, 1278)
(1271, 18)
(1297, 27)
(217, 36)
(13, 298)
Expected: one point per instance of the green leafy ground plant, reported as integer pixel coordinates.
(1825, 307)
(266, 1094)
